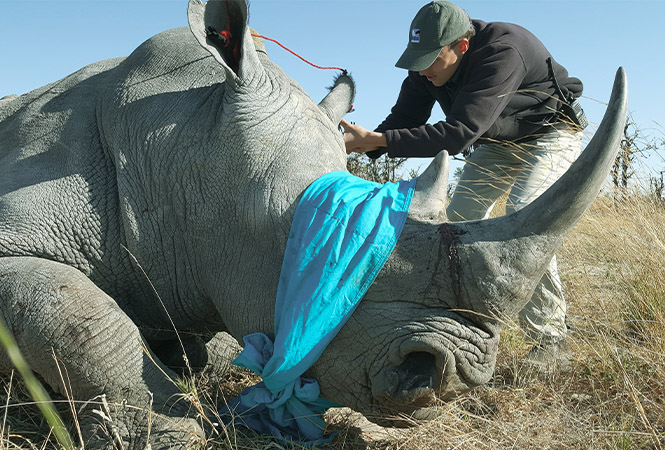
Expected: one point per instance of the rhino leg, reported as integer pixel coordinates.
(209, 356)
(55, 312)
(222, 348)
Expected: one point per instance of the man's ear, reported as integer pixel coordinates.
(464, 45)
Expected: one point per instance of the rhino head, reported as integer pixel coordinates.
(430, 324)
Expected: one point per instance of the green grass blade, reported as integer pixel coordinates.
(37, 391)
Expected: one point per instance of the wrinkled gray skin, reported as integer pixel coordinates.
(156, 191)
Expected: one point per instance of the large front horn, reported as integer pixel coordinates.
(504, 258)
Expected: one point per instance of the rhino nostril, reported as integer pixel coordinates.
(418, 371)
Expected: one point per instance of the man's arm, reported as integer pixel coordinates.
(413, 106)
(412, 109)
(493, 80)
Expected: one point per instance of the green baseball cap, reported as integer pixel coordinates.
(436, 25)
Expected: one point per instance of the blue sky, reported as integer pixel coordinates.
(42, 41)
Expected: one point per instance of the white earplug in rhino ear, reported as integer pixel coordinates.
(220, 26)
(431, 195)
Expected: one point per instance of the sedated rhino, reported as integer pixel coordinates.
(155, 192)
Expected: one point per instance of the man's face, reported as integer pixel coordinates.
(445, 65)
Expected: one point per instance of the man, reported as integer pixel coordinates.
(504, 96)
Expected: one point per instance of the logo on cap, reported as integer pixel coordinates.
(415, 35)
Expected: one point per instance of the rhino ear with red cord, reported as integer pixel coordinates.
(220, 26)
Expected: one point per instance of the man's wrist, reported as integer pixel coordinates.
(377, 139)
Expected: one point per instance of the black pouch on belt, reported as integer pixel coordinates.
(571, 108)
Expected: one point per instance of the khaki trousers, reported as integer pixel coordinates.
(524, 170)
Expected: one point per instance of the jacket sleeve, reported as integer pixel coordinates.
(412, 109)
(494, 76)
(413, 106)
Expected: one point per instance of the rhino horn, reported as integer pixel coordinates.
(506, 257)
(431, 193)
(340, 98)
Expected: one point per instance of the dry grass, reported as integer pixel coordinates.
(612, 397)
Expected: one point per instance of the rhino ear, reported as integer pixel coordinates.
(340, 98)
(220, 26)
(431, 193)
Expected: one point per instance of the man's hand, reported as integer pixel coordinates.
(359, 140)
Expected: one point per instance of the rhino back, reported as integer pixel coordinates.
(57, 189)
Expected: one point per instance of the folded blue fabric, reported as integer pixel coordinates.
(343, 231)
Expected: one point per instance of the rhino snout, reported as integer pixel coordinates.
(412, 383)
(423, 370)
(418, 371)
(415, 381)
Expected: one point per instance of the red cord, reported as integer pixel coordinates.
(295, 54)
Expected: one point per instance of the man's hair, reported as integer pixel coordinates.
(469, 34)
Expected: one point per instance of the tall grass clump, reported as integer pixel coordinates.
(613, 266)
(627, 238)
(643, 270)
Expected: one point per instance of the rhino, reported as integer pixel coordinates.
(153, 194)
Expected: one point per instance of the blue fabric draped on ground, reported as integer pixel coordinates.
(343, 231)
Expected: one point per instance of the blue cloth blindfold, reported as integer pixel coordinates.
(343, 231)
